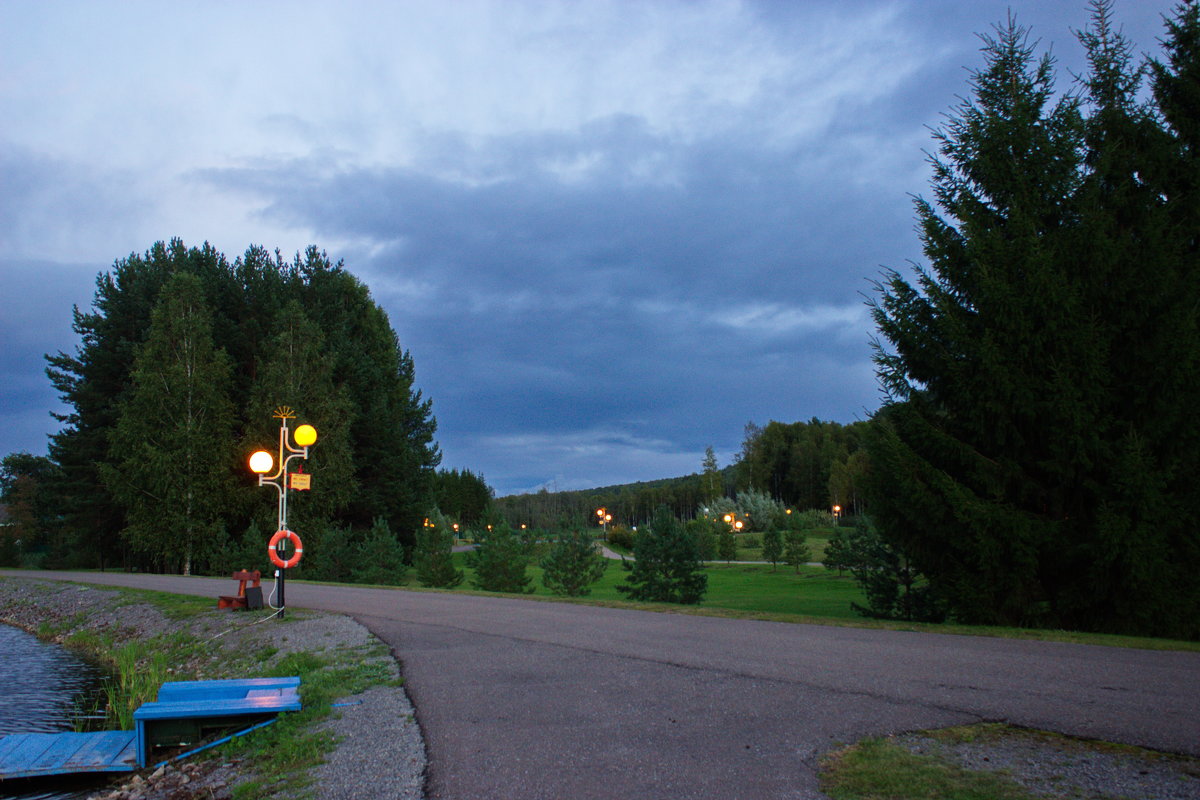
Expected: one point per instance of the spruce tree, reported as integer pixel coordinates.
(726, 545)
(772, 546)
(573, 564)
(796, 552)
(500, 561)
(667, 567)
(379, 558)
(433, 556)
(1028, 458)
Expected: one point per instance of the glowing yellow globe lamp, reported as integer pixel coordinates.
(305, 435)
(261, 462)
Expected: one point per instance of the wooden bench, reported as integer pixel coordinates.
(239, 600)
(187, 710)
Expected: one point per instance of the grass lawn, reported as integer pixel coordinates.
(817, 540)
(755, 588)
(814, 596)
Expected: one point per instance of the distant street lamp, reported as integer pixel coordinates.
(837, 513)
(604, 518)
(734, 523)
(262, 462)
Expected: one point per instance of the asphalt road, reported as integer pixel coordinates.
(527, 699)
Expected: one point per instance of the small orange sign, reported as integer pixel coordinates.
(300, 481)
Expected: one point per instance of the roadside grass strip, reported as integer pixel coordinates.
(995, 761)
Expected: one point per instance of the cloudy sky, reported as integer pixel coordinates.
(610, 233)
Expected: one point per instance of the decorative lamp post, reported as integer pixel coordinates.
(261, 463)
(734, 523)
(837, 513)
(603, 517)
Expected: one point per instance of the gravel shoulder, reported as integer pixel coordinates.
(380, 752)
(1050, 765)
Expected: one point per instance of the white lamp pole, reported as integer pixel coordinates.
(261, 462)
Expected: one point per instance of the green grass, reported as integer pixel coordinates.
(876, 769)
(815, 596)
(751, 588)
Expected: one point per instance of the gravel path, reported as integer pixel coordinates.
(380, 751)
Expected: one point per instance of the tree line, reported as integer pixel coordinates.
(803, 465)
(184, 357)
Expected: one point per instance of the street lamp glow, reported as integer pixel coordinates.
(305, 435)
(261, 462)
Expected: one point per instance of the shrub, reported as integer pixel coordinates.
(812, 518)
(619, 536)
(762, 511)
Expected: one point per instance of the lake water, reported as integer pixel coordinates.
(45, 688)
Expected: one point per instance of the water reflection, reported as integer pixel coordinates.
(44, 688)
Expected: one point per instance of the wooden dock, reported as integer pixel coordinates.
(32, 755)
(184, 713)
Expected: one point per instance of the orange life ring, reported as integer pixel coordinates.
(279, 537)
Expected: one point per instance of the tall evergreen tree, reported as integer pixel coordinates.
(1019, 463)
(171, 446)
(93, 380)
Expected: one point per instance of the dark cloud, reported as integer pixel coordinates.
(606, 245)
(615, 280)
(35, 320)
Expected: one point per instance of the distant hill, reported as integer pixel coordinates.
(630, 504)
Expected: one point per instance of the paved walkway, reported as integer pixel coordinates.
(527, 699)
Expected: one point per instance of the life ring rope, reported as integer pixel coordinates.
(273, 552)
